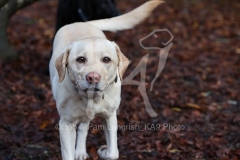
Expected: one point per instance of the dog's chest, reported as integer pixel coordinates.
(103, 107)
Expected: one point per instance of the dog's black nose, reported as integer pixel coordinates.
(93, 77)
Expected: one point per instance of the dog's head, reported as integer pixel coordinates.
(92, 63)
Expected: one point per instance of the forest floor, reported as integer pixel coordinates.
(196, 97)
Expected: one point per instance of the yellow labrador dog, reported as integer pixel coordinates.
(86, 71)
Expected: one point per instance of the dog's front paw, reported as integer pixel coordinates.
(81, 156)
(103, 153)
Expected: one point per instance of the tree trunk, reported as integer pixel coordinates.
(9, 7)
(3, 2)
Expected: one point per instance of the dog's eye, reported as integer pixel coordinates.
(106, 60)
(81, 60)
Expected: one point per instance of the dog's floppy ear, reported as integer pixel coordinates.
(61, 64)
(123, 62)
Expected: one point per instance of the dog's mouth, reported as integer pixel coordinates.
(92, 89)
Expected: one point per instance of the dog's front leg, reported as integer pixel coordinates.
(110, 152)
(68, 139)
(82, 131)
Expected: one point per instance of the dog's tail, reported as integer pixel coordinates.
(128, 20)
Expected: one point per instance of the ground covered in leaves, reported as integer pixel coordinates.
(196, 96)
